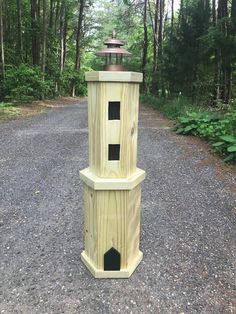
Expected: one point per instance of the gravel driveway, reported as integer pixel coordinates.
(188, 222)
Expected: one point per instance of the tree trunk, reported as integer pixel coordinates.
(172, 22)
(65, 35)
(19, 29)
(160, 39)
(217, 65)
(2, 41)
(214, 12)
(56, 17)
(181, 13)
(233, 12)
(233, 34)
(44, 41)
(35, 32)
(225, 60)
(51, 13)
(145, 48)
(155, 50)
(62, 26)
(79, 35)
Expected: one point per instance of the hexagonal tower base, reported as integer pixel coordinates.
(112, 224)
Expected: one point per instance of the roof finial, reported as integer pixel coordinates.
(114, 34)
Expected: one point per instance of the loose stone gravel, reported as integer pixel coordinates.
(188, 222)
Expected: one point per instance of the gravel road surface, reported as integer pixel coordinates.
(188, 222)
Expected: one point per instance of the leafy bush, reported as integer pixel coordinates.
(68, 77)
(25, 83)
(227, 143)
(219, 129)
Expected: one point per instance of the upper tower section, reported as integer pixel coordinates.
(113, 99)
(113, 105)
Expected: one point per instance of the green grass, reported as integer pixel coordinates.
(171, 108)
(8, 110)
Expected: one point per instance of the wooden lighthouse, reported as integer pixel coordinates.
(112, 183)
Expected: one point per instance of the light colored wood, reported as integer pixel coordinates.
(90, 223)
(112, 219)
(113, 76)
(98, 183)
(123, 273)
(103, 132)
(112, 188)
(112, 224)
(133, 224)
(114, 134)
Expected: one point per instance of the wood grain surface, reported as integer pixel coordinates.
(103, 132)
(112, 219)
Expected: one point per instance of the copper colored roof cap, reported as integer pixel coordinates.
(113, 47)
(114, 41)
(107, 51)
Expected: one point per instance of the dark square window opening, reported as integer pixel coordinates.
(114, 152)
(114, 110)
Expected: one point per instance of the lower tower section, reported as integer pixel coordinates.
(112, 224)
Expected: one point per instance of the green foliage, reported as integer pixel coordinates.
(219, 129)
(226, 145)
(185, 67)
(68, 76)
(8, 110)
(171, 108)
(25, 83)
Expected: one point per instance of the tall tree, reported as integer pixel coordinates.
(225, 66)
(233, 13)
(51, 14)
(145, 47)
(217, 63)
(35, 13)
(19, 29)
(214, 12)
(62, 37)
(172, 22)
(155, 49)
(79, 36)
(44, 38)
(160, 40)
(233, 36)
(2, 41)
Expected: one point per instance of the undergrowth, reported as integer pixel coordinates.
(8, 110)
(171, 108)
(218, 128)
(217, 125)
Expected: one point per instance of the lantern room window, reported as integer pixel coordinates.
(113, 54)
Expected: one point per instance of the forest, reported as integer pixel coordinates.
(186, 50)
(182, 47)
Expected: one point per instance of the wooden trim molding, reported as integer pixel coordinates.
(98, 183)
(114, 76)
